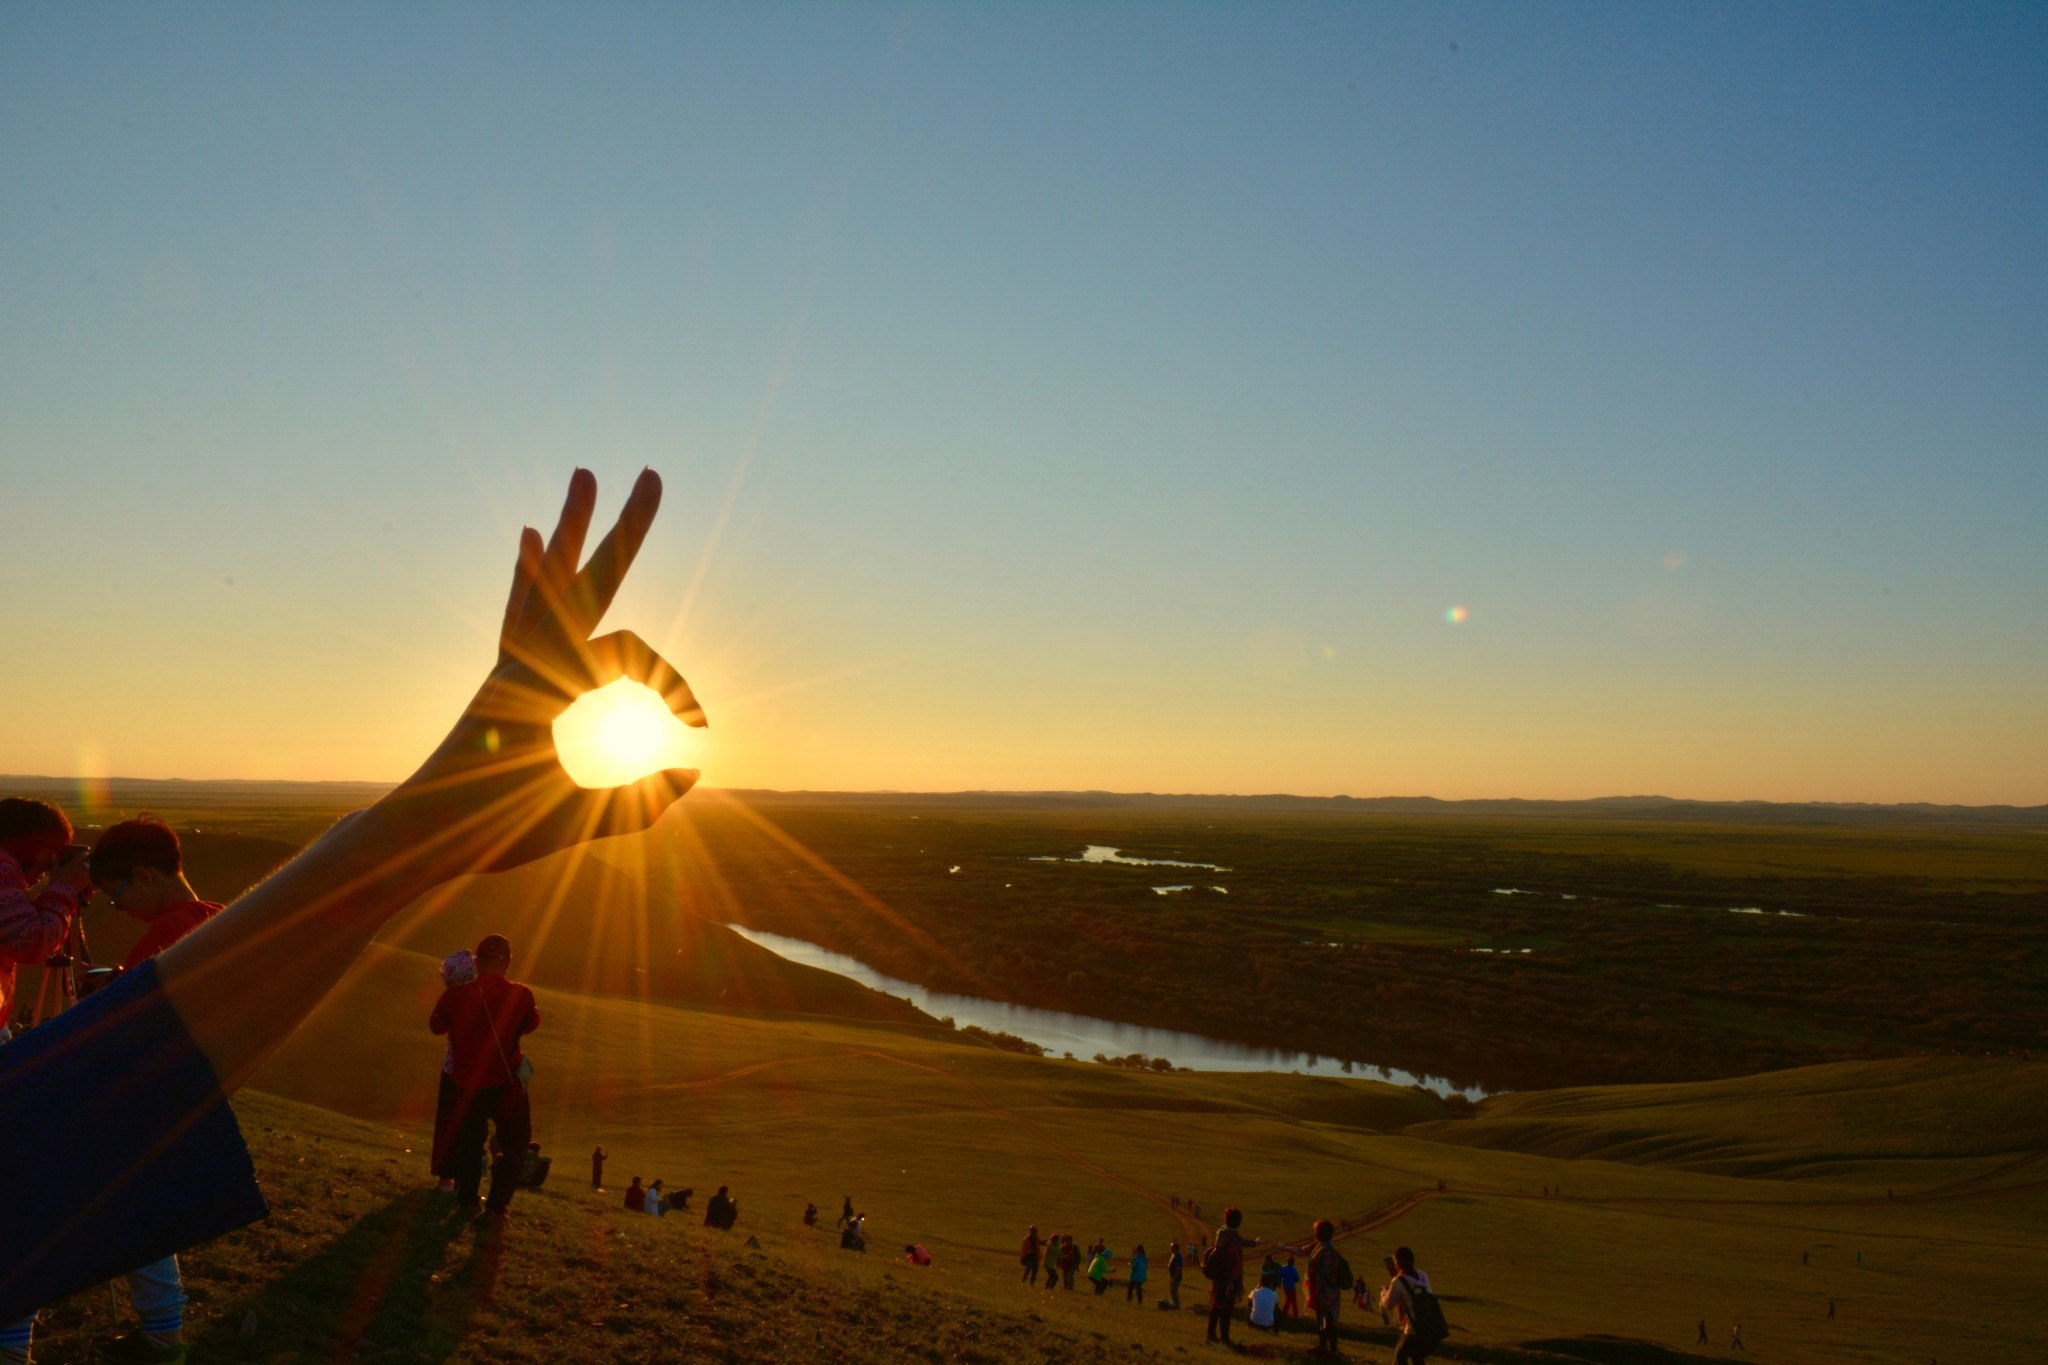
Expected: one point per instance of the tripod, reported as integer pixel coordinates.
(71, 967)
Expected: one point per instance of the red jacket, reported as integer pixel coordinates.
(484, 1020)
(167, 928)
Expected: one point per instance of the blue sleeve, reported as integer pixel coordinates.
(117, 1147)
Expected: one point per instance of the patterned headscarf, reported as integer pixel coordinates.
(458, 968)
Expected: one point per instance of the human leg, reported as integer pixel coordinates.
(16, 1339)
(466, 1145)
(512, 1117)
(158, 1294)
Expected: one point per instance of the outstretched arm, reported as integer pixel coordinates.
(491, 796)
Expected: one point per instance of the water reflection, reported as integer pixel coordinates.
(1103, 853)
(1085, 1036)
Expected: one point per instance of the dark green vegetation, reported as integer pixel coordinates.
(1347, 932)
(1357, 935)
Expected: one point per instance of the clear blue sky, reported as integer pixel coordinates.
(1049, 396)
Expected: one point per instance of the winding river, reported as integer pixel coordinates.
(1082, 1035)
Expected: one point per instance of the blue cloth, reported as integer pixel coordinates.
(117, 1147)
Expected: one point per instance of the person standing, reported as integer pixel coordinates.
(484, 1022)
(457, 969)
(1290, 1286)
(139, 866)
(1134, 1288)
(1030, 1255)
(1408, 1292)
(845, 1211)
(35, 843)
(1225, 1267)
(1327, 1274)
(1070, 1260)
(597, 1167)
(1176, 1266)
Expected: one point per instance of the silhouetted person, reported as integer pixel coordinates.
(1029, 1256)
(845, 1211)
(636, 1197)
(1224, 1265)
(484, 1022)
(810, 1215)
(721, 1210)
(597, 1168)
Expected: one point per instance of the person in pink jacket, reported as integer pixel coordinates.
(33, 837)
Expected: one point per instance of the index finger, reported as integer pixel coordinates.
(590, 596)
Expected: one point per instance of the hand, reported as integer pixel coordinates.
(73, 871)
(494, 795)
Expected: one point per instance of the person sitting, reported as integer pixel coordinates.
(679, 1202)
(1264, 1303)
(810, 1215)
(916, 1254)
(657, 1202)
(720, 1211)
(1098, 1269)
(636, 1197)
(534, 1173)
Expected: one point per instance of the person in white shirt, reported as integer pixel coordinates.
(1264, 1305)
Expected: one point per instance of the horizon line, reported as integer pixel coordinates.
(1099, 792)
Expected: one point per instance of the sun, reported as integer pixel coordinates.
(619, 733)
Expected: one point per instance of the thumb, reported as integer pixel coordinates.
(635, 806)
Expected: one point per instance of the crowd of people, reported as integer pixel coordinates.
(1269, 1300)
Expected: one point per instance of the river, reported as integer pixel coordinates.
(1084, 1036)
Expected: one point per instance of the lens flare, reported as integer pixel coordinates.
(1455, 615)
(617, 734)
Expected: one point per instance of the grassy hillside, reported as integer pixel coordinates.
(1785, 1122)
(961, 1146)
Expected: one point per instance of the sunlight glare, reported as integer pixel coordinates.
(619, 733)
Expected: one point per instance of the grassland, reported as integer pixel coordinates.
(1596, 1223)
(960, 1147)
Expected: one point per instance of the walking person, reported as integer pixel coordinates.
(1224, 1265)
(1409, 1294)
(1735, 1343)
(1070, 1260)
(845, 1211)
(1701, 1340)
(1030, 1256)
(1050, 1253)
(1329, 1275)
(1134, 1288)
(484, 1022)
(1290, 1283)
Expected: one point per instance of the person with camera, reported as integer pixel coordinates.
(129, 1089)
(35, 846)
(484, 1020)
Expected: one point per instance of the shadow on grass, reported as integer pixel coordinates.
(395, 1286)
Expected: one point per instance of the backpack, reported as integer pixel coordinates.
(1215, 1264)
(1425, 1315)
(1343, 1278)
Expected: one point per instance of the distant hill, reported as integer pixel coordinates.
(192, 798)
(1609, 807)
